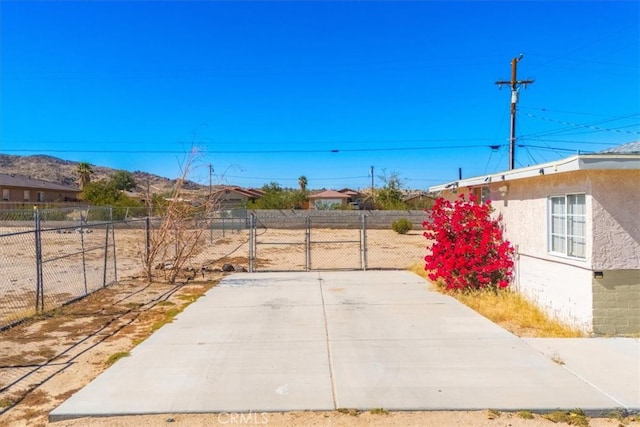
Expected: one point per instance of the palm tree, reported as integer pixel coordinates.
(84, 172)
(302, 182)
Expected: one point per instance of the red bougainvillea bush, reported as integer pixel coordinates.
(467, 248)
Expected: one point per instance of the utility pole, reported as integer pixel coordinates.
(373, 193)
(210, 180)
(515, 86)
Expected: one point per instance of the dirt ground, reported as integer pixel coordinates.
(67, 275)
(45, 360)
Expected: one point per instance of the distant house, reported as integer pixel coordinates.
(575, 226)
(418, 200)
(17, 190)
(329, 199)
(254, 192)
(355, 199)
(229, 197)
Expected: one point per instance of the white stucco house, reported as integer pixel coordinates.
(575, 227)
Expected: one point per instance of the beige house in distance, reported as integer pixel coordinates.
(18, 190)
(575, 227)
(229, 197)
(329, 199)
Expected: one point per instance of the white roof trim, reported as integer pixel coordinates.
(570, 164)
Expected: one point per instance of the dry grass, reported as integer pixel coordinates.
(115, 357)
(572, 418)
(512, 311)
(516, 314)
(86, 336)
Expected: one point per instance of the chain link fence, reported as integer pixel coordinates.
(50, 257)
(333, 240)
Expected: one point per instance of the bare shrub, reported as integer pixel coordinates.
(180, 234)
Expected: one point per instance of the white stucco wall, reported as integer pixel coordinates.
(616, 219)
(560, 285)
(562, 291)
(524, 211)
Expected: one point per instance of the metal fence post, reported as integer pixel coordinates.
(176, 241)
(211, 228)
(363, 242)
(147, 255)
(106, 256)
(115, 261)
(84, 262)
(252, 228)
(39, 282)
(307, 243)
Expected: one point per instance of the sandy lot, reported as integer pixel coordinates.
(68, 275)
(46, 359)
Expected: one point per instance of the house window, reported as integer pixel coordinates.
(567, 225)
(482, 194)
(27, 195)
(5, 194)
(40, 196)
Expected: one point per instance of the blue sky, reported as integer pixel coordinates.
(272, 90)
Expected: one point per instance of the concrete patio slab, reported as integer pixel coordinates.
(611, 365)
(326, 340)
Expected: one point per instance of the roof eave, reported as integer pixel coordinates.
(569, 164)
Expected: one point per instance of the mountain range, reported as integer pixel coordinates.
(59, 171)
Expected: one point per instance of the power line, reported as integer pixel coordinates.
(606, 39)
(287, 151)
(499, 160)
(565, 130)
(294, 179)
(546, 144)
(285, 69)
(488, 161)
(547, 148)
(582, 113)
(285, 142)
(564, 122)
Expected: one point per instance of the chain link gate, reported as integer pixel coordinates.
(284, 244)
(292, 241)
(342, 248)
